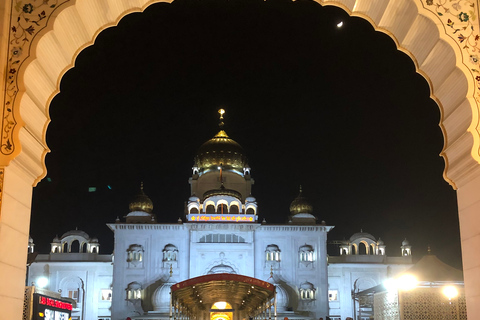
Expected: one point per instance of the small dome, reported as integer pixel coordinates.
(141, 202)
(300, 205)
(194, 198)
(306, 247)
(380, 242)
(221, 268)
(272, 248)
(307, 286)
(362, 234)
(94, 240)
(30, 239)
(405, 242)
(170, 247)
(250, 199)
(75, 233)
(56, 240)
(221, 150)
(222, 191)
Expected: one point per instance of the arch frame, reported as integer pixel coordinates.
(440, 39)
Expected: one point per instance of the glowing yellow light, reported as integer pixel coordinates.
(220, 305)
(340, 24)
(222, 112)
(450, 292)
(406, 282)
(40, 314)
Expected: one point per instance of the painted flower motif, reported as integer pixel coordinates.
(463, 17)
(477, 78)
(461, 38)
(429, 2)
(473, 58)
(28, 8)
(456, 6)
(12, 71)
(477, 37)
(16, 51)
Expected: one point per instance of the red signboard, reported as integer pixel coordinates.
(48, 308)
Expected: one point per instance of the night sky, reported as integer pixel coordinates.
(339, 111)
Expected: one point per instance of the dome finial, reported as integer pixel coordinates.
(221, 123)
(300, 204)
(141, 202)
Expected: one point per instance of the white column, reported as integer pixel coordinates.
(16, 199)
(275, 304)
(469, 216)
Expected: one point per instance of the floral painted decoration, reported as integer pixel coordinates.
(28, 18)
(459, 16)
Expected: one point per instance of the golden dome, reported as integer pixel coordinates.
(300, 205)
(141, 202)
(221, 150)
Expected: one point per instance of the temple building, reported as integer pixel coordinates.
(220, 261)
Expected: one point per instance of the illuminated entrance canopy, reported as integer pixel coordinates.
(222, 217)
(243, 294)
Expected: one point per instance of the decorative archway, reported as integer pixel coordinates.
(41, 38)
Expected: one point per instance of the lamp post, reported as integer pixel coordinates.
(355, 299)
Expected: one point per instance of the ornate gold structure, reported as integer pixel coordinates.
(300, 205)
(221, 151)
(141, 202)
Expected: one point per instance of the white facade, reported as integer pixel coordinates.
(220, 234)
(79, 273)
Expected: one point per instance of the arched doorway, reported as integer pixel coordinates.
(417, 27)
(221, 310)
(206, 297)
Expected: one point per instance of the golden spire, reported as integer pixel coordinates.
(222, 112)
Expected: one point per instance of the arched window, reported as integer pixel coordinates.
(362, 248)
(134, 291)
(75, 246)
(222, 209)
(307, 291)
(234, 209)
(170, 252)
(306, 253)
(210, 209)
(94, 250)
(73, 293)
(194, 210)
(135, 255)
(272, 253)
(250, 211)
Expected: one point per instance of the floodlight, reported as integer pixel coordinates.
(407, 282)
(42, 282)
(450, 292)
